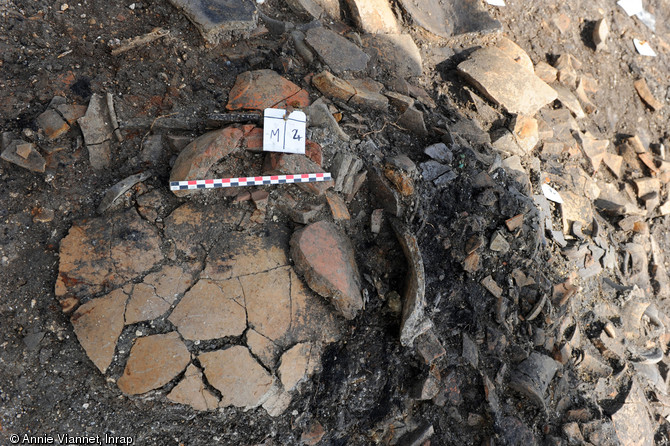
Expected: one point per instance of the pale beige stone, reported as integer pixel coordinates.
(154, 361)
(144, 305)
(242, 381)
(211, 310)
(98, 324)
(191, 391)
(298, 364)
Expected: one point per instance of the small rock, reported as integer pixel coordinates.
(499, 243)
(96, 126)
(567, 65)
(313, 434)
(32, 161)
(431, 170)
(600, 32)
(333, 87)
(219, 20)
(470, 351)
(242, 381)
(504, 141)
(594, 149)
(191, 391)
(399, 101)
(376, 221)
(154, 361)
(412, 119)
(569, 100)
(52, 124)
(366, 97)
(643, 90)
(261, 89)
(373, 16)
(337, 206)
(319, 115)
(429, 347)
(614, 163)
(532, 377)
(396, 53)
(440, 153)
(525, 131)
(429, 387)
(326, 260)
(339, 53)
(546, 72)
(514, 222)
(43, 215)
(589, 107)
(520, 92)
(492, 286)
(401, 170)
(647, 186)
(471, 264)
(516, 53)
(451, 17)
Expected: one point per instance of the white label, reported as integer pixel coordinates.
(631, 6)
(496, 2)
(644, 48)
(284, 132)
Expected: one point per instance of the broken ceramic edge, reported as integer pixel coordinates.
(414, 321)
(119, 189)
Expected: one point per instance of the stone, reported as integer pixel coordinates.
(504, 141)
(52, 124)
(567, 66)
(25, 155)
(472, 263)
(546, 72)
(430, 170)
(211, 310)
(219, 20)
(144, 304)
(470, 352)
(71, 112)
(261, 89)
(401, 171)
(106, 252)
(285, 164)
(385, 194)
(532, 377)
(396, 53)
(647, 186)
(340, 54)
(373, 16)
(525, 131)
(43, 215)
(499, 243)
(412, 119)
(96, 126)
(646, 95)
(575, 208)
(337, 206)
(310, 8)
(366, 98)
(492, 286)
(242, 381)
(154, 361)
(440, 153)
(414, 322)
(429, 347)
(517, 172)
(614, 163)
(516, 53)
(569, 100)
(326, 260)
(450, 17)
(600, 32)
(98, 324)
(632, 422)
(594, 149)
(377, 217)
(313, 434)
(320, 116)
(589, 106)
(192, 392)
(340, 169)
(299, 363)
(520, 92)
(333, 86)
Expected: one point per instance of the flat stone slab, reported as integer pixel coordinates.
(338, 52)
(506, 82)
(219, 19)
(446, 18)
(154, 361)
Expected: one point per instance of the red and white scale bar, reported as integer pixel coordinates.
(250, 181)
